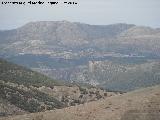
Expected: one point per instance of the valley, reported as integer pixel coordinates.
(25, 91)
(61, 70)
(63, 50)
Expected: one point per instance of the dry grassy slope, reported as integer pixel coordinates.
(142, 104)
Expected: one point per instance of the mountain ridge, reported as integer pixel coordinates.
(60, 49)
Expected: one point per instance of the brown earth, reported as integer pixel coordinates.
(141, 104)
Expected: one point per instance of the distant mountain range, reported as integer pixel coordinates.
(47, 37)
(61, 33)
(62, 50)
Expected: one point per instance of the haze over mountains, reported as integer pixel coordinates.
(44, 37)
(58, 35)
(118, 57)
(64, 50)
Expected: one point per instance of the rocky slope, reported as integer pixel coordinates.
(141, 104)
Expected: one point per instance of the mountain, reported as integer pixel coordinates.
(54, 37)
(51, 37)
(143, 104)
(63, 50)
(61, 33)
(46, 37)
(142, 40)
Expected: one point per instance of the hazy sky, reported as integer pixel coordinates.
(139, 12)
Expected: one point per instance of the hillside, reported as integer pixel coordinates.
(17, 74)
(25, 91)
(141, 104)
(127, 77)
(119, 75)
(17, 92)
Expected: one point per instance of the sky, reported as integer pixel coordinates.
(97, 12)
